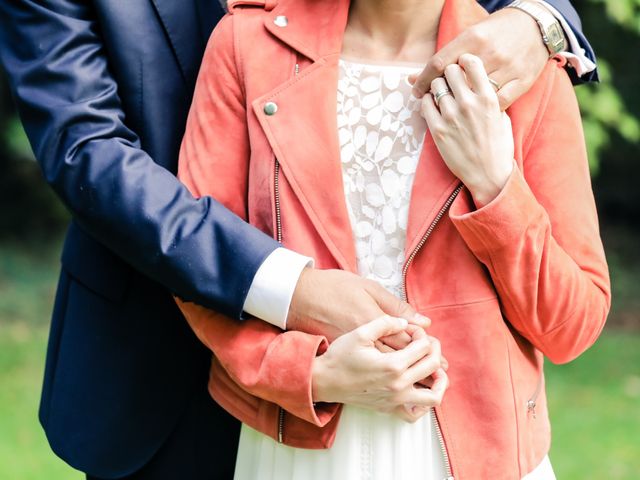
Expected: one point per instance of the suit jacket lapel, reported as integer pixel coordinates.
(180, 21)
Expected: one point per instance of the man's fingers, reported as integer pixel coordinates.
(510, 92)
(380, 327)
(434, 68)
(397, 341)
(393, 306)
(477, 75)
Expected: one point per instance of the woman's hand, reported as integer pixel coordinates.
(355, 372)
(473, 136)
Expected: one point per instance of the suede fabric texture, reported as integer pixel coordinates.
(523, 277)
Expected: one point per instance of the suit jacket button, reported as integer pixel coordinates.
(281, 21)
(270, 108)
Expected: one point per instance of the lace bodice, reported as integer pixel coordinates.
(381, 133)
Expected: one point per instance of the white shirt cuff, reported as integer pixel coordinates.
(272, 288)
(576, 55)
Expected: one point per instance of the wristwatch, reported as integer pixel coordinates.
(550, 28)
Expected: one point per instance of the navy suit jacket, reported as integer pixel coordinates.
(103, 88)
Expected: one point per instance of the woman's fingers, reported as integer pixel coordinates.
(477, 76)
(443, 97)
(456, 80)
(426, 366)
(428, 397)
(383, 326)
(401, 360)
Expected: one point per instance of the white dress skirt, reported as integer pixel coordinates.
(381, 133)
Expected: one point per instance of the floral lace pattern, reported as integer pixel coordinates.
(381, 133)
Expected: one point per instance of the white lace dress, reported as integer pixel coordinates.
(381, 133)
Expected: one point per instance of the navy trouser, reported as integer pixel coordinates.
(203, 446)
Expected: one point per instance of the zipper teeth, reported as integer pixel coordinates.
(280, 424)
(425, 237)
(423, 240)
(276, 190)
(440, 437)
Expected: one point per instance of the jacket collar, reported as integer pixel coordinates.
(303, 133)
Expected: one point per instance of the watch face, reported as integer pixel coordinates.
(555, 38)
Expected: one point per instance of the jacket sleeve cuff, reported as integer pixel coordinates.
(294, 383)
(501, 222)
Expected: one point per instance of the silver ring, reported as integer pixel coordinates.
(438, 95)
(495, 84)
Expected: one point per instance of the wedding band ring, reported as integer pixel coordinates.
(495, 84)
(438, 95)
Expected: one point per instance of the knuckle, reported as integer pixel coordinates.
(449, 69)
(478, 36)
(436, 64)
(396, 387)
(466, 106)
(440, 132)
(449, 116)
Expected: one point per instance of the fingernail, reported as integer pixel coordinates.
(421, 319)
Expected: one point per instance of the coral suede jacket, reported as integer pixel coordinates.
(523, 277)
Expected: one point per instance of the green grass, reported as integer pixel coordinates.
(595, 411)
(594, 401)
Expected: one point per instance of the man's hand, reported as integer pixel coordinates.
(334, 302)
(353, 371)
(510, 45)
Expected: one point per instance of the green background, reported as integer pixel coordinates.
(594, 401)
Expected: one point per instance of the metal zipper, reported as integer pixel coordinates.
(531, 403)
(425, 237)
(412, 256)
(280, 424)
(276, 192)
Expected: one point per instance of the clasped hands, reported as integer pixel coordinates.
(389, 364)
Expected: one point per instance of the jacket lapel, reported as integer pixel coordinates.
(304, 135)
(180, 21)
(434, 182)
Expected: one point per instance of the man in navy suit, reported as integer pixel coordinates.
(103, 88)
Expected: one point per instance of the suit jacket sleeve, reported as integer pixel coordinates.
(68, 101)
(268, 363)
(568, 11)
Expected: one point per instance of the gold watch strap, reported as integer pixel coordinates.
(550, 28)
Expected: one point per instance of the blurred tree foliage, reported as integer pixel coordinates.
(611, 116)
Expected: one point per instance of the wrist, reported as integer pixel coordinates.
(320, 381)
(551, 31)
(489, 187)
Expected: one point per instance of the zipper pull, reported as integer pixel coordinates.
(297, 69)
(531, 407)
